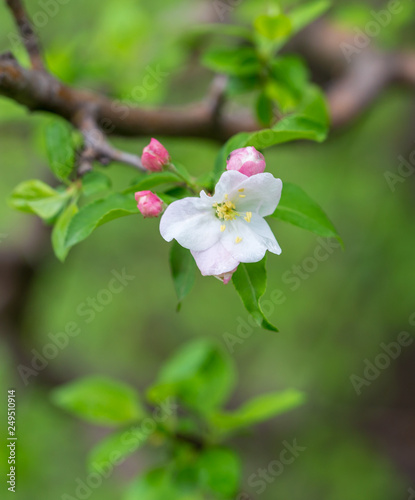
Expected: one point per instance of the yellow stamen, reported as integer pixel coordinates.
(238, 239)
(242, 196)
(241, 190)
(248, 216)
(222, 228)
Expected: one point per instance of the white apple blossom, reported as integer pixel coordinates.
(228, 227)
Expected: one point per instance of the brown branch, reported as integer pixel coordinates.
(352, 89)
(27, 33)
(97, 147)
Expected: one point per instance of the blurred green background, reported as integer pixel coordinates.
(357, 446)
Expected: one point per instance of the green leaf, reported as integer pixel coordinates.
(36, 197)
(232, 60)
(273, 27)
(311, 123)
(258, 410)
(60, 230)
(250, 281)
(115, 448)
(200, 374)
(96, 214)
(265, 109)
(183, 270)
(95, 182)
(306, 13)
(150, 181)
(60, 148)
(219, 471)
(297, 208)
(100, 400)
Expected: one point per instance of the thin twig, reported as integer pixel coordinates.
(27, 33)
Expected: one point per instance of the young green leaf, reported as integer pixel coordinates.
(201, 375)
(115, 448)
(219, 472)
(60, 148)
(183, 270)
(232, 60)
(100, 400)
(250, 281)
(310, 122)
(60, 230)
(297, 208)
(95, 182)
(273, 27)
(36, 197)
(258, 410)
(98, 213)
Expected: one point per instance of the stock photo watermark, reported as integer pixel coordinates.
(294, 277)
(130, 440)
(88, 310)
(363, 37)
(406, 168)
(388, 352)
(47, 9)
(263, 477)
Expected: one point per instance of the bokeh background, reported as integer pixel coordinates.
(357, 446)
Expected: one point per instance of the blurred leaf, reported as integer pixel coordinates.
(158, 484)
(200, 374)
(232, 60)
(150, 181)
(297, 208)
(36, 197)
(95, 182)
(60, 230)
(219, 471)
(98, 213)
(265, 109)
(241, 84)
(258, 410)
(60, 148)
(250, 281)
(100, 400)
(306, 13)
(183, 270)
(289, 82)
(273, 27)
(116, 447)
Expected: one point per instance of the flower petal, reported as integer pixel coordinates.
(215, 260)
(262, 193)
(248, 241)
(228, 184)
(192, 223)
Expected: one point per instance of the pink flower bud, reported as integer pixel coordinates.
(248, 161)
(155, 156)
(148, 203)
(226, 277)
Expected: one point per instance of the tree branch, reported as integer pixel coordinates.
(27, 33)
